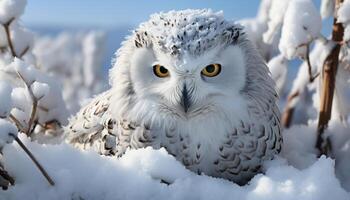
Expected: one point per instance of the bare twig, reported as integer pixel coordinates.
(43, 108)
(328, 85)
(32, 117)
(307, 58)
(24, 52)
(42, 170)
(8, 35)
(36, 122)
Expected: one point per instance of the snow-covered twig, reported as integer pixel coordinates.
(8, 35)
(10, 42)
(42, 170)
(34, 105)
(17, 122)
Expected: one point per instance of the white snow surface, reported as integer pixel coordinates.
(6, 101)
(11, 9)
(299, 148)
(87, 175)
(302, 23)
(6, 128)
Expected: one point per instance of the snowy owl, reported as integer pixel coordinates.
(191, 82)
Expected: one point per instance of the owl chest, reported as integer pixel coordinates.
(214, 150)
(197, 147)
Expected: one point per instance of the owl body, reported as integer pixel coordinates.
(191, 82)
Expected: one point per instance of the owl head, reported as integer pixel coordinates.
(186, 65)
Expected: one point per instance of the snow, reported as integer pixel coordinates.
(343, 13)
(276, 15)
(40, 89)
(20, 67)
(278, 67)
(3, 39)
(327, 8)
(6, 128)
(300, 152)
(302, 23)
(6, 101)
(84, 174)
(20, 98)
(44, 87)
(22, 38)
(11, 9)
(343, 16)
(341, 107)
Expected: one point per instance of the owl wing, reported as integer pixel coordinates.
(92, 127)
(251, 142)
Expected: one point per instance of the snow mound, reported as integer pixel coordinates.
(11, 9)
(302, 23)
(6, 129)
(138, 174)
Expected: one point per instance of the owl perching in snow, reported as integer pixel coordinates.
(191, 82)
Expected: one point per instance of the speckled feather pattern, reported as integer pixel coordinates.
(110, 125)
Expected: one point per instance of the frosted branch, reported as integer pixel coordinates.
(8, 35)
(34, 105)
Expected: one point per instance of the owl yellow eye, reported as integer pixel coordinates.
(211, 70)
(160, 71)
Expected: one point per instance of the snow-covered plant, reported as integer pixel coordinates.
(294, 26)
(256, 27)
(31, 100)
(301, 25)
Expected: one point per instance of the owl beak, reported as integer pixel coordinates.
(185, 99)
